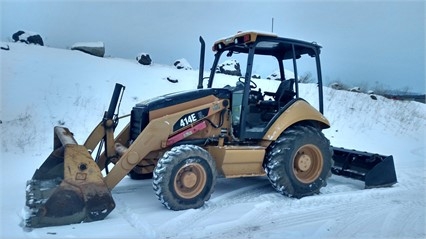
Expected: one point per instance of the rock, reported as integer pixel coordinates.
(355, 89)
(173, 80)
(28, 37)
(255, 76)
(92, 48)
(229, 67)
(4, 46)
(336, 86)
(276, 75)
(182, 64)
(144, 59)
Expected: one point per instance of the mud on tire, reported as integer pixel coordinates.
(185, 177)
(299, 162)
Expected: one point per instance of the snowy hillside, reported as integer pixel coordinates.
(42, 87)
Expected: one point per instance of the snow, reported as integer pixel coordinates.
(250, 31)
(59, 86)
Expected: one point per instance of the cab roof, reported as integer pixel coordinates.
(266, 44)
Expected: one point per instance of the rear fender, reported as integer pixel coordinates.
(298, 111)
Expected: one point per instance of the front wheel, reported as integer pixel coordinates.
(299, 162)
(184, 177)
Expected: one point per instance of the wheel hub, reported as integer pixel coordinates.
(304, 163)
(190, 180)
(308, 163)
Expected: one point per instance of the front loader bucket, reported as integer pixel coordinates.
(374, 169)
(68, 187)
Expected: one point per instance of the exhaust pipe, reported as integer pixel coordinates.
(201, 70)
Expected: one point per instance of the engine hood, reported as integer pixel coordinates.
(182, 97)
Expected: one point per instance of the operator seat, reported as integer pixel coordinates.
(281, 97)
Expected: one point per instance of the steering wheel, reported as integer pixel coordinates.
(252, 83)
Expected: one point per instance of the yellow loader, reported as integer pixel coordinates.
(185, 140)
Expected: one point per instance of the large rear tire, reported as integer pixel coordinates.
(185, 177)
(299, 162)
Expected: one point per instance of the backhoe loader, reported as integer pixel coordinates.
(184, 141)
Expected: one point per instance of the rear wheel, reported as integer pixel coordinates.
(184, 177)
(299, 162)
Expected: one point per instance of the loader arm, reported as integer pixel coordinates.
(158, 134)
(123, 138)
(149, 140)
(104, 131)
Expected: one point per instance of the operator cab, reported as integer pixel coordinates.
(254, 111)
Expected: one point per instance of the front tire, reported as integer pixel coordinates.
(185, 177)
(299, 162)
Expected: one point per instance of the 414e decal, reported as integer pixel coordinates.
(190, 118)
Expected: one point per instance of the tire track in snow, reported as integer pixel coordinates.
(264, 213)
(355, 211)
(128, 209)
(252, 208)
(326, 213)
(252, 196)
(198, 218)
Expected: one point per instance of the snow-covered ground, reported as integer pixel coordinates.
(42, 87)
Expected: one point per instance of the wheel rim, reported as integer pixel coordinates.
(308, 163)
(190, 180)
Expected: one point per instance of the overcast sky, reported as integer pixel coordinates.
(373, 43)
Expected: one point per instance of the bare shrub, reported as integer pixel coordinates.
(20, 132)
(306, 78)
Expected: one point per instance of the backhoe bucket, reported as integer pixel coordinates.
(68, 187)
(374, 169)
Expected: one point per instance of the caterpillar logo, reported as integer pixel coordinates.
(190, 118)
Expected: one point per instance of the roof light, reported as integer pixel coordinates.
(246, 38)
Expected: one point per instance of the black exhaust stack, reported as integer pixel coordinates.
(201, 70)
